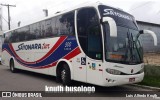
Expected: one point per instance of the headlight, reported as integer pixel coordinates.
(142, 69)
(113, 71)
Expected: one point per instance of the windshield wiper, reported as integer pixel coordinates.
(130, 47)
(136, 40)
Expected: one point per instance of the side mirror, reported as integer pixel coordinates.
(151, 33)
(112, 26)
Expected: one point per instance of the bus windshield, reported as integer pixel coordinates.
(125, 48)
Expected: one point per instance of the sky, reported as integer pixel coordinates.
(28, 11)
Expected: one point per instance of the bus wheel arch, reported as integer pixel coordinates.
(64, 72)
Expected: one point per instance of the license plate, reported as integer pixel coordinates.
(131, 79)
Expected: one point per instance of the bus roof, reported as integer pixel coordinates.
(87, 4)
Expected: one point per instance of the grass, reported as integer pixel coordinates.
(151, 81)
(152, 76)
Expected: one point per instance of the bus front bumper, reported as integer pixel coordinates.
(115, 80)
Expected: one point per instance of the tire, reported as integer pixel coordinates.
(12, 68)
(65, 75)
(58, 76)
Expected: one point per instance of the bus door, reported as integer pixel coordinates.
(90, 40)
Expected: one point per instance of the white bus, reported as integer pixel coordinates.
(93, 43)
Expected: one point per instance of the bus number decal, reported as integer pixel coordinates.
(68, 46)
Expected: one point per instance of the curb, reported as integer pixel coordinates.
(146, 87)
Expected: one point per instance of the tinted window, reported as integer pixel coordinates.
(29, 35)
(7, 37)
(49, 31)
(65, 24)
(89, 33)
(26, 31)
(53, 26)
(42, 29)
(20, 34)
(14, 36)
(60, 25)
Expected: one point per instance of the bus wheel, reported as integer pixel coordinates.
(65, 75)
(12, 68)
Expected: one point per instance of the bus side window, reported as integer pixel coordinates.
(81, 28)
(53, 26)
(35, 33)
(9, 37)
(89, 32)
(27, 33)
(49, 30)
(6, 40)
(58, 25)
(65, 24)
(31, 32)
(69, 19)
(94, 35)
(43, 29)
(14, 36)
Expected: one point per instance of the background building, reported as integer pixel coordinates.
(147, 40)
(152, 53)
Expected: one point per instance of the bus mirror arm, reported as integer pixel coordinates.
(112, 25)
(151, 33)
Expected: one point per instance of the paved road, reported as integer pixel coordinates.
(28, 81)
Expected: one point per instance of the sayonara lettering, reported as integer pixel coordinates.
(114, 13)
(23, 46)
